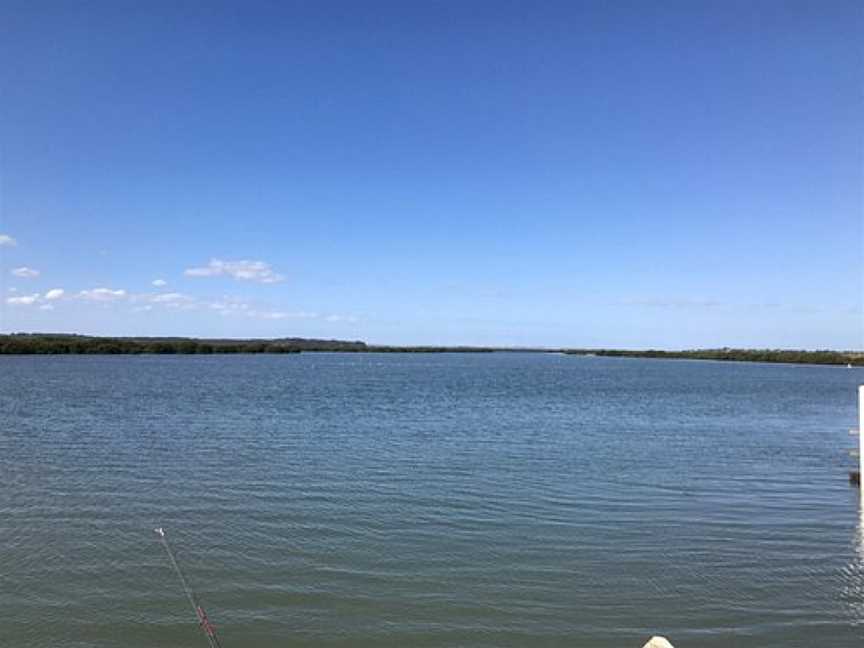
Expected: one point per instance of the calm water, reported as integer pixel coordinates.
(428, 500)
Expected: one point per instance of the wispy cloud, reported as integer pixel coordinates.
(25, 273)
(228, 305)
(159, 283)
(766, 307)
(172, 301)
(102, 295)
(237, 307)
(272, 315)
(170, 298)
(280, 315)
(23, 300)
(348, 319)
(7, 240)
(243, 270)
(666, 302)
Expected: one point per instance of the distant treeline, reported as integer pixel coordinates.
(745, 355)
(54, 343)
(49, 344)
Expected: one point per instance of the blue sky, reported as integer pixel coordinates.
(630, 174)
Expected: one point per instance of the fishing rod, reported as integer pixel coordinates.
(206, 627)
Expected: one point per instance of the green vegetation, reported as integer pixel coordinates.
(740, 355)
(55, 343)
(39, 343)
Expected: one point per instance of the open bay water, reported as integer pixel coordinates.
(364, 500)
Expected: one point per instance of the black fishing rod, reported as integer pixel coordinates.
(206, 627)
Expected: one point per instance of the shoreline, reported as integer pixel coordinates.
(71, 344)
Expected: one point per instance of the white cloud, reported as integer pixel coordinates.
(159, 283)
(7, 240)
(244, 270)
(350, 319)
(272, 315)
(279, 315)
(672, 302)
(23, 300)
(234, 306)
(102, 294)
(54, 293)
(174, 300)
(47, 307)
(229, 305)
(25, 273)
(170, 298)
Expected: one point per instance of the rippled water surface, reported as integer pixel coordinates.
(428, 500)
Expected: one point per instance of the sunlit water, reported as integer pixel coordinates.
(428, 500)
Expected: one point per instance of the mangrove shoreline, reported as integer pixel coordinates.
(65, 344)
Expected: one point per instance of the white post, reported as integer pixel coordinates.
(861, 434)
